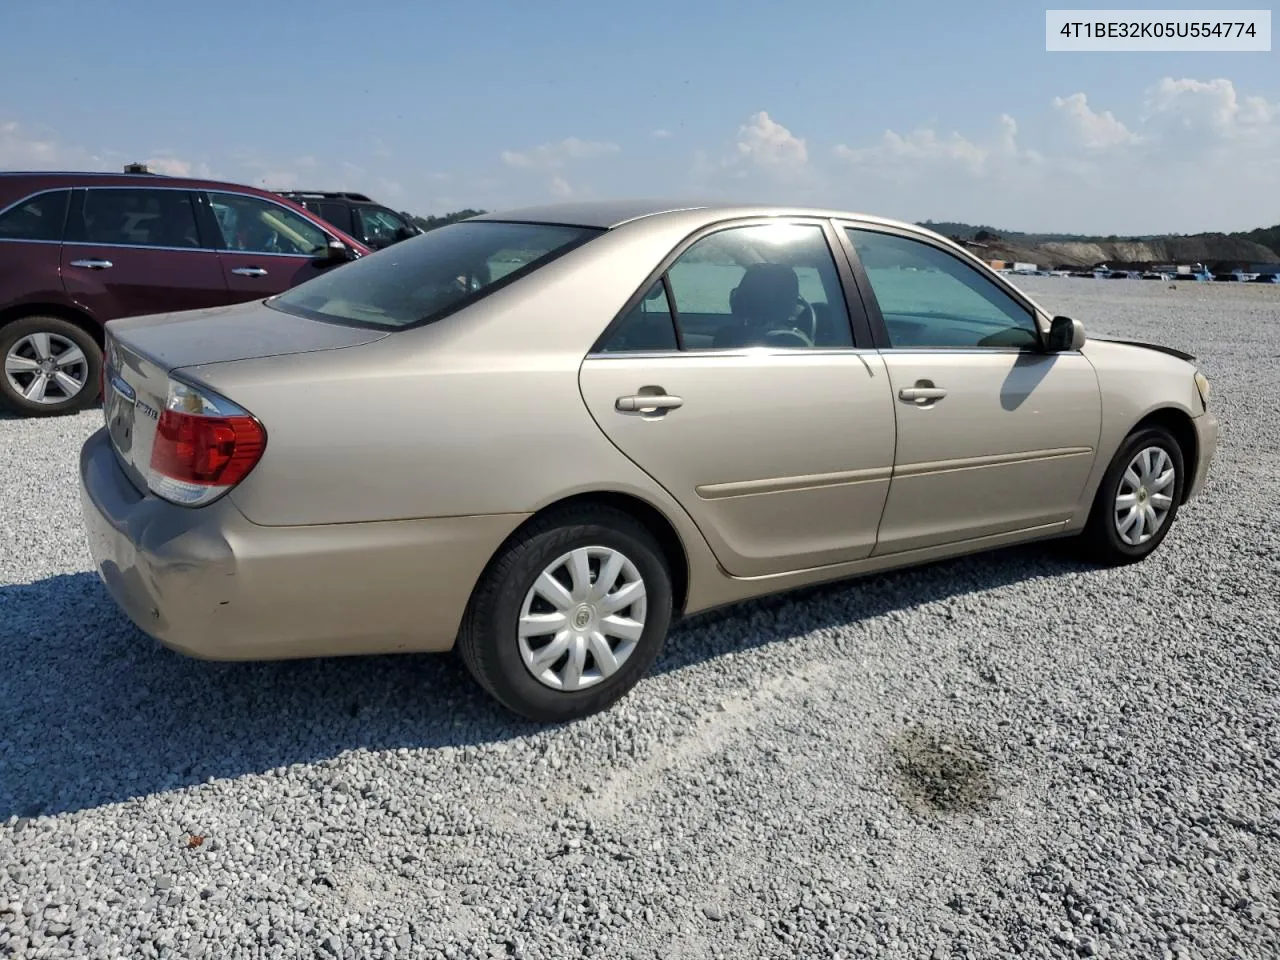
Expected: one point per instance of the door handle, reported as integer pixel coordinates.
(92, 264)
(921, 394)
(649, 401)
(249, 271)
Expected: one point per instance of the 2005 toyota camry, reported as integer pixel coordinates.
(540, 436)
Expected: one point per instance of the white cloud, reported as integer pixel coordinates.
(1098, 172)
(560, 187)
(26, 148)
(1198, 112)
(900, 156)
(554, 156)
(20, 148)
(764, 142)
(169, 164)
(661, 134)
(1093, 130)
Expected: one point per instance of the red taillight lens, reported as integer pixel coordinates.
(204, 450)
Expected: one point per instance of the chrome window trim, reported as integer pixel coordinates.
(204, 190)
(55, 243)
(736, 352)
(823, 351)
(140, 246)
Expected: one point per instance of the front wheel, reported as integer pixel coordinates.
(49, 366)
(569, 616)
(1137, 500)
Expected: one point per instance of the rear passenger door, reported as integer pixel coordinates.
(735, 381)
(265, 248)
(138, 250)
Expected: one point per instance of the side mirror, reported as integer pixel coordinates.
(405, 232)
(1065, 334)
(337, 251)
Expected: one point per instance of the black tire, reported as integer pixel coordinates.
(488, 637)
(1100, 541)
(14, 333)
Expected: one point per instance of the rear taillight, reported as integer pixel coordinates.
(204, 445)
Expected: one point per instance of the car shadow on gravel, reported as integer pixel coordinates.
(93, 712)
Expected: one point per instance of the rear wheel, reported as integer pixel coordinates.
(569, 616)
(1137, 500)
(48, 366)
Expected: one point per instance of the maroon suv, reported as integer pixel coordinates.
(79, 249)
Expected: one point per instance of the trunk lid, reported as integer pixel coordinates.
(143, 351)
(240, 332)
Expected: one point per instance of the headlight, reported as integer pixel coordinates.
(1202, 384)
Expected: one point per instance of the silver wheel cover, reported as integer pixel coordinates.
(582, 618)
(1145, 496)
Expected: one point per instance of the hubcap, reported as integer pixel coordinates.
(1145, 496)
(46, 368)
(582, 618)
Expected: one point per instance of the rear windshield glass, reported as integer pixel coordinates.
(424, 278)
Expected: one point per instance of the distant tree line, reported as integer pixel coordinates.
(431, 221)
(1268, 237)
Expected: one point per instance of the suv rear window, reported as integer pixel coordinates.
(426, 278)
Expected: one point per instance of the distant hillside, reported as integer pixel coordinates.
(1047, 249)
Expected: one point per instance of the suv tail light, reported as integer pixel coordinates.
(204, 445)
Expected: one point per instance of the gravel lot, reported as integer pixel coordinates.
(1001, 755)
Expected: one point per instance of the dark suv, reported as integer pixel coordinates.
(80, 249)
(371, 223)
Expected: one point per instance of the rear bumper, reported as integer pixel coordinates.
(210, 584)
(1206, 445)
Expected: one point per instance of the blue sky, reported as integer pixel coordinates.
(903, 108)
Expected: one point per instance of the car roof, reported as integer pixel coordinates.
(608, 214)
(99, 178)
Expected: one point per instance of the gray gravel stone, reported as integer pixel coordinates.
(1106, 739)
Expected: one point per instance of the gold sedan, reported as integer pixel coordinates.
(539, 436)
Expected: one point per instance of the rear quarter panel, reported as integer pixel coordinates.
(30, 275)
(480, 413)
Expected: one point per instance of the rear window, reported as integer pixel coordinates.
(431, 275)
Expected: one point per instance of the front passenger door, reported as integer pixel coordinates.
(994, 435)
(267, 248)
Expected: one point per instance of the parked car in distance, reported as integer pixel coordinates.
(1266, 278)
(373, 224)
(542, 435)
(80, 249)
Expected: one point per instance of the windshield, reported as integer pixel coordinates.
(426, 277)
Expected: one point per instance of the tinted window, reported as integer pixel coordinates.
(335, 213)
(139, 217)
(380, 227)
(648, 326)
(769, 285)
(432, 274)
(39, 218)
(930, 298)
(254, 225)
